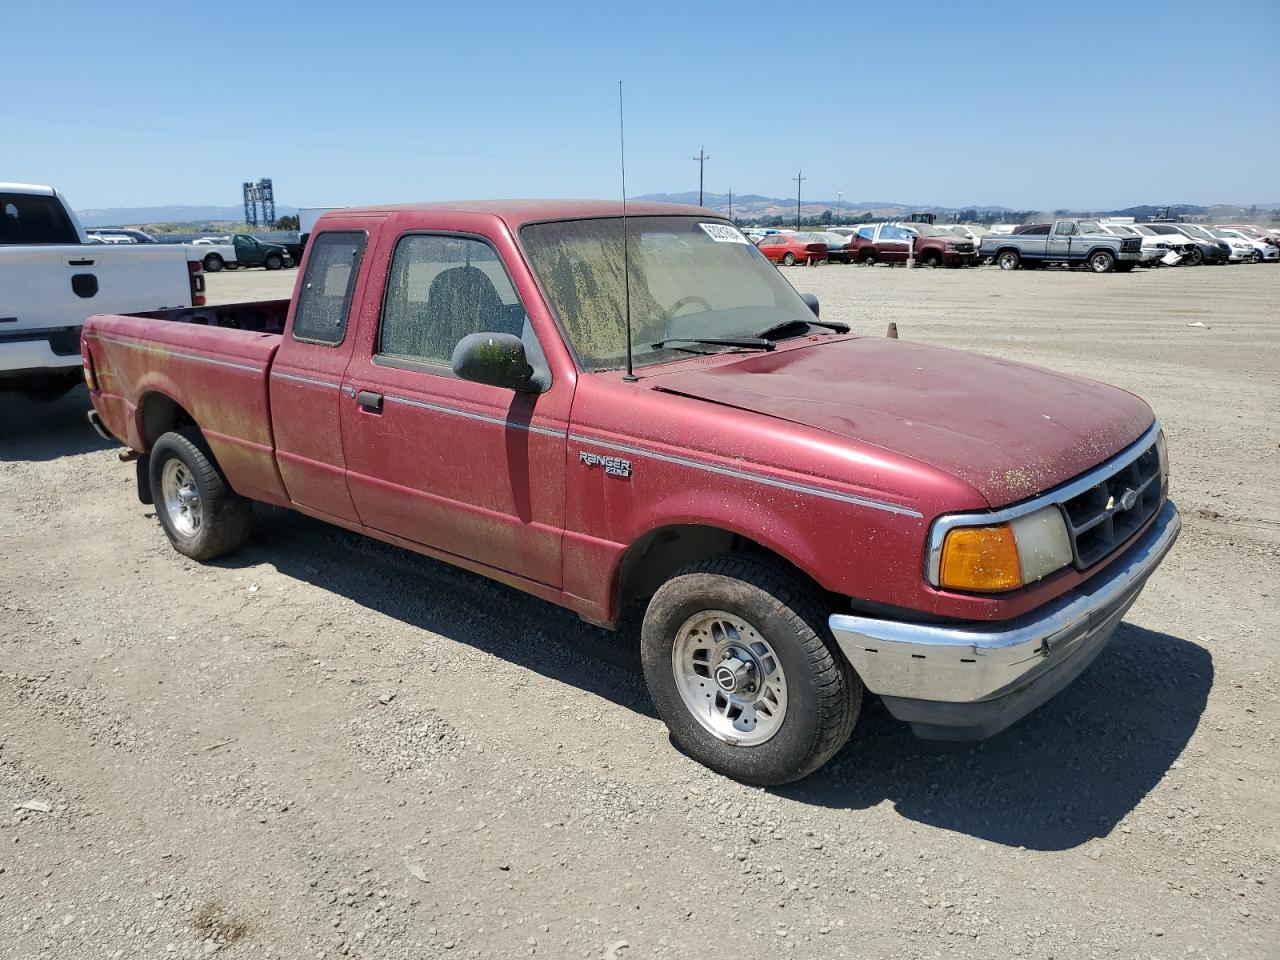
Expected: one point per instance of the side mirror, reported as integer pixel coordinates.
(497, 359)
(812, 301)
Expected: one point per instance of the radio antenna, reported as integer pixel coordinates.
(630, 376)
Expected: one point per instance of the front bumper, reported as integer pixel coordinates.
(969, 681)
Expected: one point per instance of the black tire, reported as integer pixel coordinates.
(1008, 260)
(273, 261)
(1257, 256)
(823, 694)
(868, 259)
(1195, 258)
(1102, 261)
(223, 514)
(931, 258)
(789, 259)
(213, 263)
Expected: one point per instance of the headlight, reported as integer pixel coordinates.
(1162, 452)
(990, 559)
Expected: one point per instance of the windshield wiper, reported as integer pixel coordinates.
(758, 343)
(785, 325)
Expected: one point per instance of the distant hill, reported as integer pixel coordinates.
(751, 206)
(128, 216)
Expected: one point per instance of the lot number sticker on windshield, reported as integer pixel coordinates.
(723, 233)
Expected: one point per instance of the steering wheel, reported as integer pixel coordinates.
(684, 302)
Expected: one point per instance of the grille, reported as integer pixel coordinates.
(1098, 520)
(1131, 245)
(964, 247)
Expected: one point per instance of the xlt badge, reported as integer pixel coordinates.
(613, 466)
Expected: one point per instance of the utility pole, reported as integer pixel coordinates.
(800, 178)
(702, 158)
(731, 204)
(839, 197)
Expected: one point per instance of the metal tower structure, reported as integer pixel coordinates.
(259, 203)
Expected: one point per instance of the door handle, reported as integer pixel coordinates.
(369, 402)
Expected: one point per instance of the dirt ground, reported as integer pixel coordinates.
(324, 746)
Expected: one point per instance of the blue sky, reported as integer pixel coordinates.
(1028, 105)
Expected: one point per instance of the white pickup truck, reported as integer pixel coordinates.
(52, 278)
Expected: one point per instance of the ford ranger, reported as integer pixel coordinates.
(1070, 242)
(615, 412)
(52, 278)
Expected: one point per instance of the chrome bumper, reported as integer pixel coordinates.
(973, 679)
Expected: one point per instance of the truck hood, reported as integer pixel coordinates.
(1008, 429)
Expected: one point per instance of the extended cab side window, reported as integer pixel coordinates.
(442, 288)
(330, 281)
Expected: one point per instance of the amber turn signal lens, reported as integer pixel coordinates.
(982, 559)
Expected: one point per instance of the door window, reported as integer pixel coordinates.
(327, 288)
(1064, 229)
(890, 232)
(440, 289)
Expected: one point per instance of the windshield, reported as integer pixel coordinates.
(689, 278)
(1121, 229)
(1194, 231)
(929, 230)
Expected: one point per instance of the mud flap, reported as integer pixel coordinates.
(143, 466)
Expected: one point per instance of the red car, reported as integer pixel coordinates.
(792, 248)
(801, 512)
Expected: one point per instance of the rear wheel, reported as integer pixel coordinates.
(202, 516)
(789, 259)
(743, 670)
(213, 263)
(1008, 259)
(1102, 261)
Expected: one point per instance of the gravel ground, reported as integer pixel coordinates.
(324, 746)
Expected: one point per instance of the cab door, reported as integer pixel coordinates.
(306, 376)
(894, 243)
(1059, 243)
(468, 469)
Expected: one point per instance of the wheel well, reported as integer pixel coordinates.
(159, 415)
(658, 555)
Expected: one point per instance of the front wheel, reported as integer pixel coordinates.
(273, 262)
(202, 516)
(1008, 260)
(931, 258)
(1196, 257)
(789, 259)
(1102, 261)
(1257, 256)
(742, 668)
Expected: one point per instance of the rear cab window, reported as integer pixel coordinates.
(34, 219)
(327, 287)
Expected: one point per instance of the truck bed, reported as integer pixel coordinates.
(214, 363)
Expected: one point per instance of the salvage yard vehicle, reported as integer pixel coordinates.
(897, 242)
(792, 248)
(839, 248)
(52, 277)
(241, 250)
(802, 513)
(1204, 249)
(1241, 249)
(1262, 249)
(1069, 242)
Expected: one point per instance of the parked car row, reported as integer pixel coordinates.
(1102, 246)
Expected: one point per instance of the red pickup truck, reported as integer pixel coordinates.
(804, 512)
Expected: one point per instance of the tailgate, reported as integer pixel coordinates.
(39, 289)
(217, 376)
